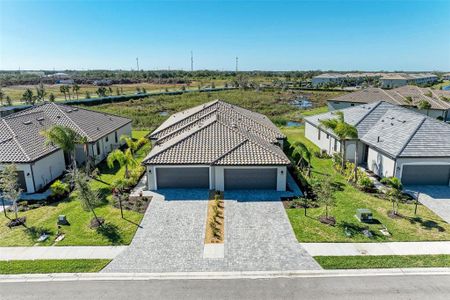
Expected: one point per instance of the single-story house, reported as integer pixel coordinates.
(22, 143)
(217, 146)
(407, 96)
(392, 141)
(394, 80)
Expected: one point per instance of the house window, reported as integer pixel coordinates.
(335, 145)
(116, 137)
(328, 136)
(352, 104)
(107, 138)
(98, 148)
(318, 134)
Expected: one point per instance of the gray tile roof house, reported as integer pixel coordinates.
(407, 96)
(22, 143)
(399, 134)
(217, 134)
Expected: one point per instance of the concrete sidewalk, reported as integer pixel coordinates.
(393, 248)
(69, 252)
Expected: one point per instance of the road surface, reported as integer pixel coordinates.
(340, 287)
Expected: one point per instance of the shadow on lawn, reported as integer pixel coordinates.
(111, 232)
(426, 224)
(35, 232)
(355, 229)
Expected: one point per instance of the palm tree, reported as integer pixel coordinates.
(344, 131)
(75, 89)
(66, 139)
(62, 88)
(132, 144)
(123, 158)
(304, 153)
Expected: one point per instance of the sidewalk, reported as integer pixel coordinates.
(69, 252)
(393, 248)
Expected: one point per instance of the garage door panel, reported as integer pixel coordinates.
(239, 179)
(426, 174)
(182, 177)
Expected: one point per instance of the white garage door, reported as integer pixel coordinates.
(250, 178)
(182, 177)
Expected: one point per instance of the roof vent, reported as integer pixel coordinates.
(75, 109)
(98, 128)
(378, 139)
(27, 122)
(40, 119)
(58, 117)
(68, 111)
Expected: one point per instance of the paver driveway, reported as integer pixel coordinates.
(258, 237)
(435, 197)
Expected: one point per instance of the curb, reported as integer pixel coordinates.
(221, 275)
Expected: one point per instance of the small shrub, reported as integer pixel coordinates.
(59, 188)
(365, 184)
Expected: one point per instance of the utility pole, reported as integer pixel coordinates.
(192, 61)
(237, 60)
(137, 63)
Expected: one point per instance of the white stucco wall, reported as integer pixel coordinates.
(108, 143)
(26, 168)
(326, 141)
(380, 164)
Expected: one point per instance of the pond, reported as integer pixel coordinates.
(293, 124)
(446, 88)
(163, 113)
(302, 103)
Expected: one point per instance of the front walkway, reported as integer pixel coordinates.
(258, 237)
(435, 197)
(391, 248)
(63, 252)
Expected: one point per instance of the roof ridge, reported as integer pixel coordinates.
(395, 100)
(230, 151)
(15, 140)
(188, 134)
(411, 136)
(70, 119)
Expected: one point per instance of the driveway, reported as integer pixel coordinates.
(258, 237)
(435, 197)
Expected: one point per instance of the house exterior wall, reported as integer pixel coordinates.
(434, 113)
(216, 175)
(103, 146)
(350, 151)
(26, 168)
(326, 141)
(336, 105)
(401, 162)
(380, 164)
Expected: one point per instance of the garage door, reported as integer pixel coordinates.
(182, 177)
(426, 175)
(239, 179)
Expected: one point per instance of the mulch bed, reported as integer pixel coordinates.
(138, 204)
(17, 222)
(392, 215)
(329, 221)
(96, 223)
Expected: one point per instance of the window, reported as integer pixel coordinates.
(98, 148)
(318, 134)
(116, 137)
(107, 138)
(335, 145)
(352, 104)
(328, 136)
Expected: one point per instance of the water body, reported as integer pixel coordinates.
(294, 124)
(302, 103)
(163, 113)
(446, 88)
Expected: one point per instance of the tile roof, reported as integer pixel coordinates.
(405, 96)
(397, 131)
(20, 133)
(217, 133)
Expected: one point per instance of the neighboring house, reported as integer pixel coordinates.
(22, 143)
(338, 78)
(446, 76)
(393, 141)
(407, 96)
(394, 80)
(217, 146)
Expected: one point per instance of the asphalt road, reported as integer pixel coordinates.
(363, 287)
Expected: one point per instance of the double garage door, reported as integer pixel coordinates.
(426, 175)
(235, 179)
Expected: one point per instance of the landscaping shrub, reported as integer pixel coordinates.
(59, 189)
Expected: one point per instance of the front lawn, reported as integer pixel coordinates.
(117, 231)
(383, 261)
(425, 226)
(52, 266)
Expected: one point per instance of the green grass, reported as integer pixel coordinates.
(137, 134)
(116, 232)
(425, 226)
(315, 111)
(438, 86)
(53, 266)
(383, 261)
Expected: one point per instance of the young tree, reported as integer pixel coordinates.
(123, 158)
(303, 153)
(28, 97)
(2, 95)
(8, 100)
(344, 131)
(325, 194)
(51, 97)
(65, 138)
(40, 92)
(395, 191)
(88, 95)
(88, 197)
(9, 185)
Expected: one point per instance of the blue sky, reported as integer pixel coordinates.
(265, 35)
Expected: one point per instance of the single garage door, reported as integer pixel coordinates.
(426, 175)
(247, 179)
(182, 177)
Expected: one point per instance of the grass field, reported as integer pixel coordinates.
(53, 266)
(440, 85)
(383, 261)
(116, 231)
(425, 226)
(274, 104)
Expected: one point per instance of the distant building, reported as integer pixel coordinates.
(394, 80)
(338, 78)
(446, 76)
